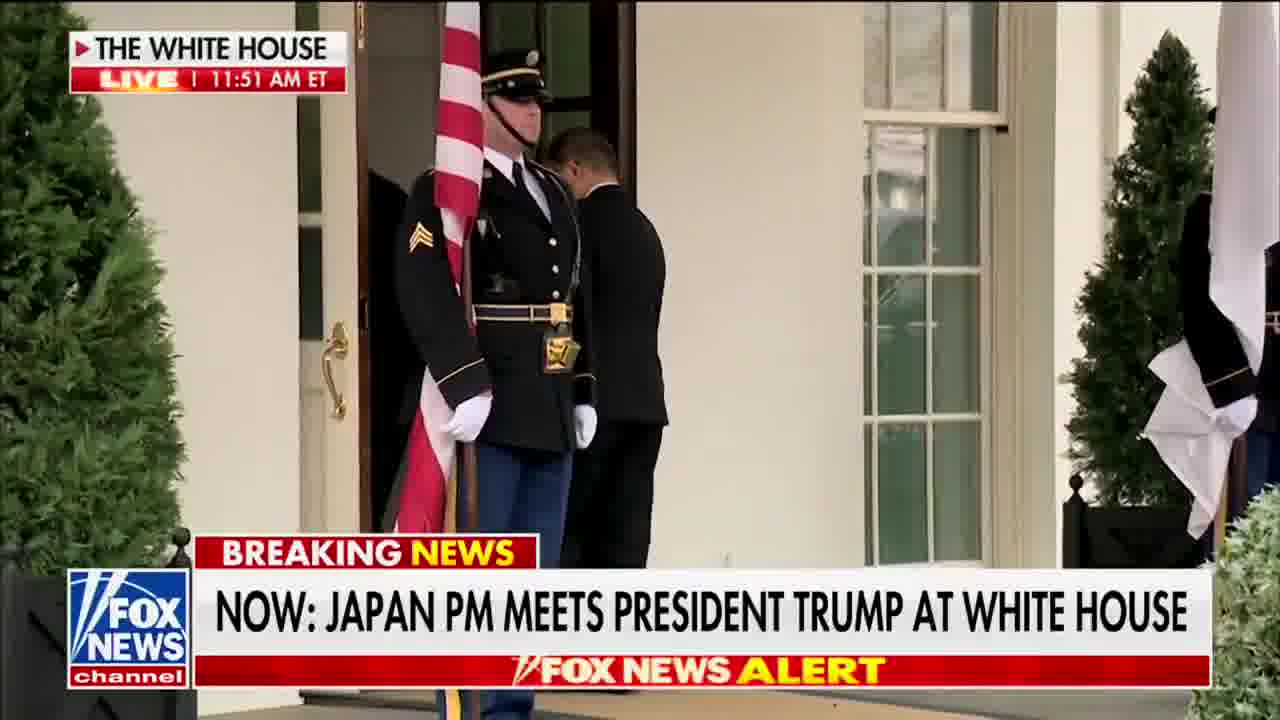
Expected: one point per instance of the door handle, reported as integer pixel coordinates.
(338, 346)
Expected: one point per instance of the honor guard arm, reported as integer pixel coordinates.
(429, 301)
(1214, 344)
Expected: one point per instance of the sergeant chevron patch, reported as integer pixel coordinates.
(421, 236)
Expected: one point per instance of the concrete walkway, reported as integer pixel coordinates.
(636, 706)
(859, 705)
(1041, 704)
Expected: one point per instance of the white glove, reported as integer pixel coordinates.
(584, 422)
(1238, 416)
(469, 418)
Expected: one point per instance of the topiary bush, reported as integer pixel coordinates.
(1246, 656)
(1129, 304)
(89, 443)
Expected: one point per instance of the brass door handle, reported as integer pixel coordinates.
(337, 346)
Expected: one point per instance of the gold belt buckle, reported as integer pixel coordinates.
(559, 313)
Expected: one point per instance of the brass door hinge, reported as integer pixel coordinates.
(360, 25)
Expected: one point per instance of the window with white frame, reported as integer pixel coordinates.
(933, 94)
(310, 251)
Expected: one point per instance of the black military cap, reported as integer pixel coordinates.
(515, 74)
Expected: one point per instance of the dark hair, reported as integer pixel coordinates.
(1213, 115)
(586, 146)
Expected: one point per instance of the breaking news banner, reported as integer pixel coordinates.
(286, 62)
(474, 612)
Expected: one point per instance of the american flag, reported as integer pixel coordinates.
(459, 164)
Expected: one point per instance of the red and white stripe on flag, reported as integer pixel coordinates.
(458, 167)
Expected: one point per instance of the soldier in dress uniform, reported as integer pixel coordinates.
(522, 387)
(1250, 402)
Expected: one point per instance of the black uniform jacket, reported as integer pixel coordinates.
(518, 257)
(1224, 367)
(628, 270)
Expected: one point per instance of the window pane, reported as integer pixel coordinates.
(867, 196)
(510, 26)
(566, 37)
(957, 515)
(900, 345)
(868, 302)
(972, 53)
(901, 184)
(917, 55)
(903, 501)
(556, 122)
(309, 154)
(306, 16)
(875, 51)
(956, 344)
(868, 478)
(310, 284)
(957, 197)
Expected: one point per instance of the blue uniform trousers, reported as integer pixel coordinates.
(521, 491)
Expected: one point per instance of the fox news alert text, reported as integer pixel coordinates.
(286, 62)
(475, 612)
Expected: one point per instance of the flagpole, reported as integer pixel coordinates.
(471, 497)
(469, 486)
(1220, 521)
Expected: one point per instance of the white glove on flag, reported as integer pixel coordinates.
(469, 418)
(1238, 416)
(584, 422)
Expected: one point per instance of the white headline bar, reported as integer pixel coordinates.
(194, 49)
(547, 612)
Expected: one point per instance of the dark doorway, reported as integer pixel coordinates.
(590, 64)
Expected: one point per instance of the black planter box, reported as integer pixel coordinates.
(1126, 537)
(33, 656)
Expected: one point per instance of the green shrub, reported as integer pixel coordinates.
(89, 443)
(1246, 656)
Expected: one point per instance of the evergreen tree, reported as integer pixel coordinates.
(89, 442)
(1130, 300)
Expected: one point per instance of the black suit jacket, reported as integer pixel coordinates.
(628, 269)
(518, 257)
(1224, 367)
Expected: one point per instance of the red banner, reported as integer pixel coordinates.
(366, 552)
(161, 80)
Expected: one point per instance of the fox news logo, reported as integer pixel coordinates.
(128, 628)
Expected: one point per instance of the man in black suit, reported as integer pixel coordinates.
(1249, 402)
(611, 498)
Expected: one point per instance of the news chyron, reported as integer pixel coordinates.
(287, 62)
(128, 629)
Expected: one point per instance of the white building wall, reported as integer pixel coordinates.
(218, 178)
(750, 166)
(1079, 177)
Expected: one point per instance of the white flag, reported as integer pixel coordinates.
(1243, 224)
(1246, 173)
